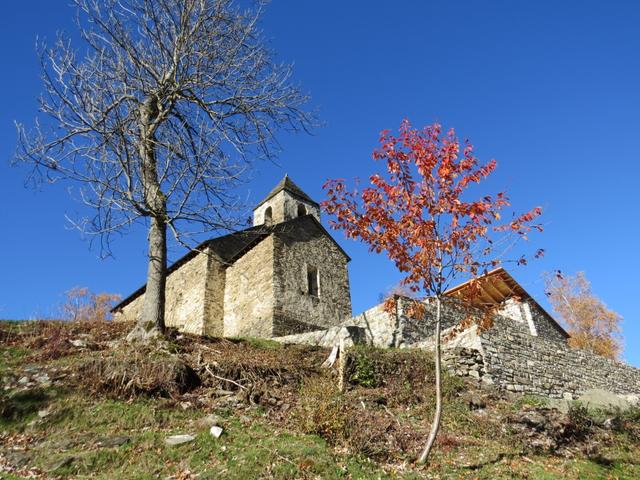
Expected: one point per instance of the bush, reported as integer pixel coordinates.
(322, 410)
(406, 376)
(19, 404)
(364, 373)
(579, 422)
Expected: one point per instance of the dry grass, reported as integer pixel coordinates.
(51, 339)
(370, 417)
(322, 410)
(131, 371)
(260, 372)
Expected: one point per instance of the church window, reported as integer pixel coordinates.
(302, 210)
(313, 287)
(268, 214)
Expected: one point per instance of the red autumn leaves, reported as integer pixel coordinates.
(417, 211)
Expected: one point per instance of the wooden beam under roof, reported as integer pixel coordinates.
(496, 287)
(504, 284)
(503, 288)
(499, 298)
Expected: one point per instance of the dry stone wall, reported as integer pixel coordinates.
(545, 326)
(524, 363)
(508, 355)
(466, 362)
(398, 330)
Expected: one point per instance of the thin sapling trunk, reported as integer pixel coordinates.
(435, 426)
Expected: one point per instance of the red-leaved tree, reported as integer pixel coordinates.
(418, 213)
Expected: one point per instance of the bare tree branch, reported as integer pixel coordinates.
(161, 116)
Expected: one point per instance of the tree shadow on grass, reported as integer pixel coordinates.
(603, 461)
(497, 459)
(15, 406)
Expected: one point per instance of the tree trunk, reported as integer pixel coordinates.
(150, 323)
(435, 426)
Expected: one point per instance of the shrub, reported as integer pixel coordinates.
(579, 422)
(364, 373)
(406, 376)
(21, 403)
(322, 409)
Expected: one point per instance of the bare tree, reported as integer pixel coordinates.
(159, 119)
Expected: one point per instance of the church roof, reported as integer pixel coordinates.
(288, 185)
(228, 248)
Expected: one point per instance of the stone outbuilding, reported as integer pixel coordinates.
(525, 350)
(284, 275)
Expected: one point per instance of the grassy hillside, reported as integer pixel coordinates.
(75, 402)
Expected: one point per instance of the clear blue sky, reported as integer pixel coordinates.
(549, 89)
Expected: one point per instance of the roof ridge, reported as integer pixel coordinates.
(290, 186)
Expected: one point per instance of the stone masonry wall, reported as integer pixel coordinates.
(520, 362)
(384, 330)
(546, 327)
(213, 323)
(249, 294)
(184, 297)
(296, 310)
(507, 355)
(380, 328)
(416, 330)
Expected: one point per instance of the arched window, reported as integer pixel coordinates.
(302, 210)
(268, 216)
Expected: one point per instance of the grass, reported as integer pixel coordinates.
(68, 439)
(374, 430)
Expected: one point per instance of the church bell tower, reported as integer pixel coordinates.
(285, 202)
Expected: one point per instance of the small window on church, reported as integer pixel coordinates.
(312, 281)
(302, 210)
(268, 214)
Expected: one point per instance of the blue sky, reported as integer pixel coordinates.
(549, 89)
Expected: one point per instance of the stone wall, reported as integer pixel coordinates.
(213, 324)
(331, 337)
(545, 326)
(416, 330)
(380, 328)
(249, 293)
(400, 330)
(296, 309)
(184, 297)
(526, 317)
(510, 354)
(466, 362)
(520, 362)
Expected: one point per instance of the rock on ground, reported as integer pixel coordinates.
(179, 439)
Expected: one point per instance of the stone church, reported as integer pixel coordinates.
(284, 275)
(286, 278)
